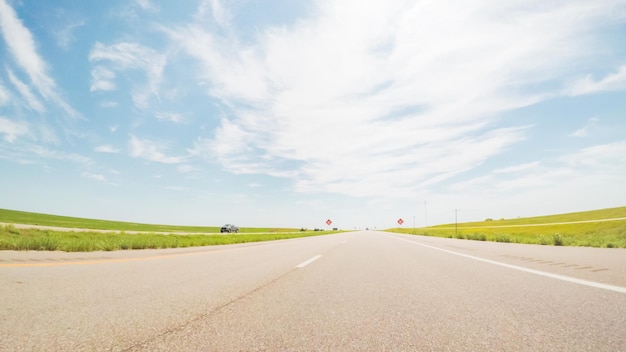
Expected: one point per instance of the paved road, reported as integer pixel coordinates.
(360, 291)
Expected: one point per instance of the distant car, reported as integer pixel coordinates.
(229, 228)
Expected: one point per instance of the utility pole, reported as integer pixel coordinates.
(456, 222)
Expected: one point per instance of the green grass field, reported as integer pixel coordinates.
(13, 238)
(540, 230)
(22, 217)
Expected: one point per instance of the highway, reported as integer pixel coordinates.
(356, 291)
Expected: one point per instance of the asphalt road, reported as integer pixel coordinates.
(359, 291)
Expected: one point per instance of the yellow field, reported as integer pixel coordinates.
(598, 228)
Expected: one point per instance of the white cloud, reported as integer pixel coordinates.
(169, 116)
(518, 168)
(378, 98)
(129, 56)
(603, 158)
(102, 79)
(147, 5)
(186, 169)
(65, 36)
(202, 148)
(97, 177)
(587, 85)
(592, 124)
(106, 149)
(46, 133)
(22, 46)
(109, 104)
(149, 150)
(605, 161)
(220, 13)
(41, 152)
(214, 10)
(125, 55)
(4, 96)
(26, 93)
(12, 129)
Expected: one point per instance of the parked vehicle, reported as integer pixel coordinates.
(229, 228)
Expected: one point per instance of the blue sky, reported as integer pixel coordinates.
(288, 113)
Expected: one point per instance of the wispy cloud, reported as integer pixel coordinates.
(12, 129)
(587, 85)
(407, 85)
(215, 10)
(518, 168)
(149, 150)
(186, 169)
(147, 5)
(102, 79)
(29, 153)
(65, 35)
(32, 102)
(591, 124)
(169, 116)
(106, 149)
(128, 56)
(53, 154)
(610, 157)
(22, 46)
(109, 104)
(606, 160)
(4, 95)
(97, 177)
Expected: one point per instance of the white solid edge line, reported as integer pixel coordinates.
(305, 263)
(532, 271)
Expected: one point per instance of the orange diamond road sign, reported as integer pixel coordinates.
(400, 221)
(328, 222)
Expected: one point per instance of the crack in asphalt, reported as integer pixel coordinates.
(181, 327)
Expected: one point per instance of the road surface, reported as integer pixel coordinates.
(358, 291)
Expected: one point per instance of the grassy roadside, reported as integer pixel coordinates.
(12, 238)
(540, 230)
(23, 217)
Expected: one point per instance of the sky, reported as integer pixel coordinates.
(281, 113)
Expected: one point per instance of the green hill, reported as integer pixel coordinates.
(596, 228)
(23, 217)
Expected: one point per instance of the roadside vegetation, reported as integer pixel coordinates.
(12, 238)
(123, 235)
(22, 217)
(546, 230)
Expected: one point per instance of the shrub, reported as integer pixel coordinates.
(477, 237)
(543, 240)
(503, 237)
(558, 239)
